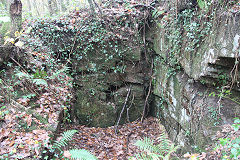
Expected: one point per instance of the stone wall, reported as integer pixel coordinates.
(194, 101)
(101, 94)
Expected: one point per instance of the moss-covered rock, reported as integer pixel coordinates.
(91, 111)
(103, 87)
(97, 108)
(192, 75)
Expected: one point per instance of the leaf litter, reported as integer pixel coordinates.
(106, 145)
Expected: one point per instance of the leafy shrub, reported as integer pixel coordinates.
(230, 148)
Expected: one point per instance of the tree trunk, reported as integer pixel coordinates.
(52, 6)
(16, 15)
(30, 7)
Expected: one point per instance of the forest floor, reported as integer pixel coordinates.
(28, 122)
(107, 145)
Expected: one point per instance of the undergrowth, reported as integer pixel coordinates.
(151, 151)
(56, 151)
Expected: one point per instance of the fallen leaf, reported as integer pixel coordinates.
(11, 144)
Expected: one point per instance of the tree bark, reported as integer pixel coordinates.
(52, 6)
(30, 7)
(16, 15)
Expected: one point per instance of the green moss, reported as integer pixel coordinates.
(93, 112)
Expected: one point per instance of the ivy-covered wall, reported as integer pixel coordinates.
(107, 57)
(196, 71)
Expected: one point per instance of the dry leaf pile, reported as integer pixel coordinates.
(27, 123)
(106, 145)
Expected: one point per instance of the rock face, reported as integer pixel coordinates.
(194, 100)
(101, 95)
(106, 59)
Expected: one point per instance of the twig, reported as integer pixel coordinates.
(129, 108)
(176, 9)
(149, 91)
(219, 105)
(234, 76)
(19, 65)
(124, 105)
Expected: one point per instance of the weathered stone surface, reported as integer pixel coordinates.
(187, 110)
(223, 42)
(92, 111)
(96, 107)
(103, 92)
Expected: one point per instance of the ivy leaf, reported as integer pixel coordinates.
(201, 4)
(236, 120)
(234, 152)
(223, 142)
(236, 127)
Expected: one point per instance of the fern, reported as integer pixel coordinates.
(66, 136)
(155, 152)
(30, 77)
(81, 154)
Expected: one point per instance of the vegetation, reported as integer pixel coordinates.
(150, 151)
(71, 154)
(230, 148)
(62, 42)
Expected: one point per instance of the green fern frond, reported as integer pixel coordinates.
(81, 154)
(143, 156)
(147, 145)
(164, 142)
(155, 152)
(66, 136)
